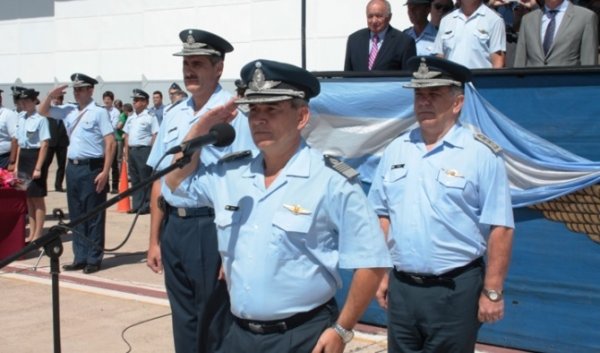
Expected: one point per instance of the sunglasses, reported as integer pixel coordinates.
(442, 6)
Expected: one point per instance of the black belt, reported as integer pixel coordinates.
(138, 147)
(5, 154)
(446, 278)
(185, 212)
(86, 161)
(266, 327)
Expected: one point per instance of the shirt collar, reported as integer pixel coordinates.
(298, 165)
(381, 34)
(453, 137)
(561, 8)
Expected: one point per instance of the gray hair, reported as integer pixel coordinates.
(387, 4)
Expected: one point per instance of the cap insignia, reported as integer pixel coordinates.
(191, 44)
(259, 82)
(423, 71)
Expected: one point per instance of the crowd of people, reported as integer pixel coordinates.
(479, 34)
(251, 236)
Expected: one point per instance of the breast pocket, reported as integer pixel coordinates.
(171, 136)
(291, 232)
(87, 124)
(228, 224)
(482, 40)
(450, 186)
(31, 130)
(448, 41)
(394, 184)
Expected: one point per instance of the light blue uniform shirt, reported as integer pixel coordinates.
(282, 246)
(440, 203)
(425, 41)
(140, 128)
(8, 129)
(471, 41)
(175, 126)
(86, 138)
(32, 130)
(158, 112)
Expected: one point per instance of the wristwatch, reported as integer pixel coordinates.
(492, 295)
(346, 335)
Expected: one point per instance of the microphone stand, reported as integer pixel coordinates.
(53, 247)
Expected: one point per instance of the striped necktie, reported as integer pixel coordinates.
(374, 51)
(549, 35)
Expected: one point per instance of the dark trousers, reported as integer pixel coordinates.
(300, 339)
(82, 198)
(115, 171)
(61, 162)
(428, 318)
(139, 171)
(199, 302)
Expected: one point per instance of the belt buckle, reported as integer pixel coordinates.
(417, 279)
(76, 161)
(181, 212)
(256, 328)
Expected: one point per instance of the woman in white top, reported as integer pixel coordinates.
(33, 133)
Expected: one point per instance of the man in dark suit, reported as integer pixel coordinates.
(573, 42)
(380, 46)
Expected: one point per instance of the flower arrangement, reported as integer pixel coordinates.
(9, 180)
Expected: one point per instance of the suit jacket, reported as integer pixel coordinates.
(575, 43)
(396, 49)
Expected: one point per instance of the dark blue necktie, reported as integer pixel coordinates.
(549, 35)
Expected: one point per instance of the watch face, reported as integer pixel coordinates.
(493, 295)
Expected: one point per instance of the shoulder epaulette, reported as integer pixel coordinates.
(488, 142)
(234, 156)
(347, 171)
(174, 104)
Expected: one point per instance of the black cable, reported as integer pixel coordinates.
(137, 324)
(58, 213)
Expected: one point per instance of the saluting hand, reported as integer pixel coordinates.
(219, 115)
(58, 91)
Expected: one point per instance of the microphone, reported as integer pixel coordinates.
(220, 135)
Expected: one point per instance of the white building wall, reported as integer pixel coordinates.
(133, 40)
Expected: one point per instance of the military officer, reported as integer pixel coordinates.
(90, 153)
(442, 196)
(186, 245)
(287, 221)
(140, 131)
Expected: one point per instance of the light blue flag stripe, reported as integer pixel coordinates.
(356, 119)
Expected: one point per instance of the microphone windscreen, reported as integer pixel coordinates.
(224, 133)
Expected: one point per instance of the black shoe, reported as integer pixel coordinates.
(131, 211)
(145, 211)
(91, 269)
(59, 189)
(114, 191)
(74, 267)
